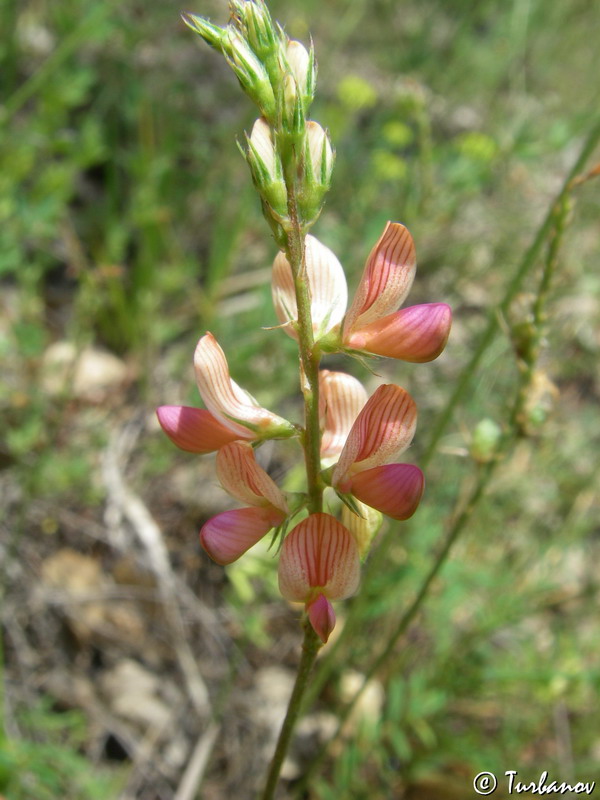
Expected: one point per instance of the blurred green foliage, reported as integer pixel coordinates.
(127, 220)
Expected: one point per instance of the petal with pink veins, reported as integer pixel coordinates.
(383, 429)
(195, 429)
(234, 407)
(227, 536)
(393, 489)
(341, 398)
(246, 480)
(326, 282)
(417, 333)
(319, 553)
(386, 280)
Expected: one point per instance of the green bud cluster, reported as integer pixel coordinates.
(285, 147)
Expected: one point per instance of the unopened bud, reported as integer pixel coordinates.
(212, 34)
(299, 83)
(250, 72)
(539, 397)
(318, 166)
(485, 441)
(258, 27)
(266, 167)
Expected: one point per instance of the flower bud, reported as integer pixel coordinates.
(250, 72)
(318, 166)
(301, 63)
(265, 165)
(258, 27)
(212, 34)
(485, 441)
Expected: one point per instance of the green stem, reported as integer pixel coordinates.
(309, 360)
(309, 381)
(310, 648)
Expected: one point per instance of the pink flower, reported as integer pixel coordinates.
(319, 562)
(194, 429)
(235, 408)
(227, 536)
(341, 397)
(372, 324)
(232, 412)
(383, 430)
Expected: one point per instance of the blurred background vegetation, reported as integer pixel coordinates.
(128, 227)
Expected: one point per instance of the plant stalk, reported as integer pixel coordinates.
(310, 648)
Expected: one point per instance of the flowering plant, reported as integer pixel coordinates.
(351, 442)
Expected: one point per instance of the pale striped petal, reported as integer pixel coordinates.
(393, 489)
(233, 406)
(417, 333)
(195, 429)
(242, 477)
(319, 553)
(363, 527)
(341, 398)
(383, 429)
(386, 280)
(227, 536)
(326, 282)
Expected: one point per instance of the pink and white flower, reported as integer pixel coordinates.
(228, 535)
(231, 413)
(382, 431)
(372, 324)
(319, 563)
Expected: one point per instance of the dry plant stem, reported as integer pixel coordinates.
(462, 384)
(310, 648)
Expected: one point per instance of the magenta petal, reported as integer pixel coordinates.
(417, 333)
(194, 429)
(321, 616)
(227, 536)
(393, 489)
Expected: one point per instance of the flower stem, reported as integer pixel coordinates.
(310, 648)
(309, 381)
(309, 359)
